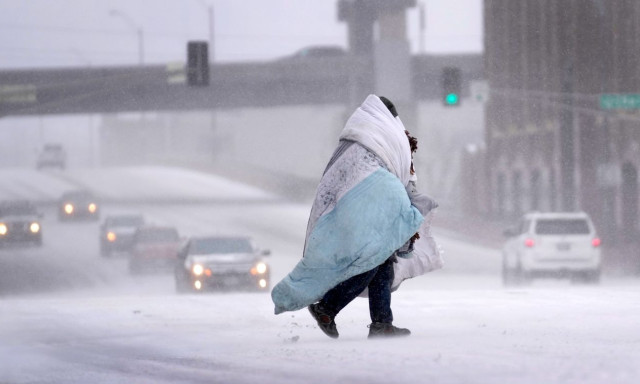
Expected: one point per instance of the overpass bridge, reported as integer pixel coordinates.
(288, 81)
(383, 63)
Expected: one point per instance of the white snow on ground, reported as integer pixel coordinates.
(162, 183)
(466, 328)
(32, 185)
(147, 184)
(573, 335)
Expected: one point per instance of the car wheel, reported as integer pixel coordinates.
(509, 277)
(134, 268)
(589, 277)
(182, 286)
(508, 274)
(514, 276)
(593, 277)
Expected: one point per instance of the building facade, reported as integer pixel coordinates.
(552, 143)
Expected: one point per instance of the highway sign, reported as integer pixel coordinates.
(620, 101)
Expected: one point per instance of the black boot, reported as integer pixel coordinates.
(325, 320)
(386, 330)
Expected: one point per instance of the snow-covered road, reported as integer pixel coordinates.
(536, 335)
(94, 323)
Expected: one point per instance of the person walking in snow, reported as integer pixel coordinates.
(377, 282)
(362, 218)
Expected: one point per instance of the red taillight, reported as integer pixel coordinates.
(529, 243)
(595, 242)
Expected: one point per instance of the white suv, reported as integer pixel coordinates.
(552, 244)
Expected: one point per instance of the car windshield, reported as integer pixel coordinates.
(81, 195)
(562, 227)
(158, 235)
(220, 245)
(51, 153)
(17, 208)
(126, 221)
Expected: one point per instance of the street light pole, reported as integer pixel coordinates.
(81, 56)
(212, 32)
(423, 25)
(213, 118)
(140, 46)
(138, 30)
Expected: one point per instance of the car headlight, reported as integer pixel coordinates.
(111, 236)
(34, 227)
(92, 208)
(259, 269)
(197, 269)
(68, 208)
(3, 229)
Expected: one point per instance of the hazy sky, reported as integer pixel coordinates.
(52, 33)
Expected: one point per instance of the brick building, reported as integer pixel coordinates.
(551, 145)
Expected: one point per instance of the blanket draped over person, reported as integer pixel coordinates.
(361, 213)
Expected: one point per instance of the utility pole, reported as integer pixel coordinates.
(136, 28)
(211, 35)
(140, 46)
(566, 137)
(423, 26)
(213, 116)
(212, 30)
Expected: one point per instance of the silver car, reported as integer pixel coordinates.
(221, 262)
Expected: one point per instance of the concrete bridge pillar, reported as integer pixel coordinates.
(381, 66)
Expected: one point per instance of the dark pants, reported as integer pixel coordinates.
(378, 280)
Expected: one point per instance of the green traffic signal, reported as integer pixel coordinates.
(451, 99)
(451, 82)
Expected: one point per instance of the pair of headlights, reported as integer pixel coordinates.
(34, 227)
(70, 208)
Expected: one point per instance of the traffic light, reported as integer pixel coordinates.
(197, 63)
(451, 86)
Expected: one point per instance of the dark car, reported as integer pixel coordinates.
(318, 51)
(155, 248)
(117, 232)
(215, 262)
(78, 205)
(52, 155)
(19, 223)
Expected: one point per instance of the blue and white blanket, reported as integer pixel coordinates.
(362, 212)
